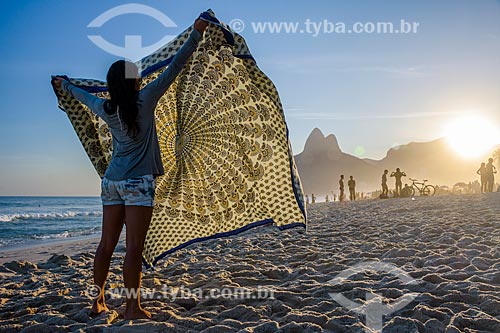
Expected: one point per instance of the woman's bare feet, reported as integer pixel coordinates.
(99, 306)
(137, 313)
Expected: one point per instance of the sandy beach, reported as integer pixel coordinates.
(449, 246)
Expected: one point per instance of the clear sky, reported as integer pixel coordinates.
(373, 91)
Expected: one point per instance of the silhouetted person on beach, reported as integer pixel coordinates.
(341, 188)
(490, 175)
(313, 198)
(385, 188)
(128, 186)
(352, 188)
(399, 184)
(406, 191)
(484, 180)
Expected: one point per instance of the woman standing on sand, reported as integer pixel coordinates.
(128, 186)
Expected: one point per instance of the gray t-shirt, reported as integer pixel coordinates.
(140, 155)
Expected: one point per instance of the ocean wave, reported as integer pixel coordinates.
(64, 234)
(67, 234)
(50, 215)
(31, 239)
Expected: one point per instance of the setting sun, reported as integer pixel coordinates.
(472, 136)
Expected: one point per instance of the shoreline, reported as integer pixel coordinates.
(37, 252)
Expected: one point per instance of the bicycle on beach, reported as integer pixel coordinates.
(422, 188)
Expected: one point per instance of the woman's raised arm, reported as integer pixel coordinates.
(155, 89)
(94, 103)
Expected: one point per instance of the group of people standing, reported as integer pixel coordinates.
(487, 172)
(398, 175)
(351, 184)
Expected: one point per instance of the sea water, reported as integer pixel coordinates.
(25, 220)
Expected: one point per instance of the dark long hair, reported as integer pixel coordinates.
(122, 80)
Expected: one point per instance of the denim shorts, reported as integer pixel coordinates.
(137, 191)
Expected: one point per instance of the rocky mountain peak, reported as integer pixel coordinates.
(317, 144)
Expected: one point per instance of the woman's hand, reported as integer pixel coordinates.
(200, 25)
(58, 82)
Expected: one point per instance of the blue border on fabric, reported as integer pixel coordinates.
(93, 90)
(212, 19)
(292, 225)
(220, 235)
(156, 66)
(295, 192)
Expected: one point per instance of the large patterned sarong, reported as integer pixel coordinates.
(224, 143)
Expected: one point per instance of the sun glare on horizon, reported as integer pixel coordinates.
(472, 136)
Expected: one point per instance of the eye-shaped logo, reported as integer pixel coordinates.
(373, 309)
(133, 48)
